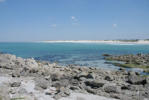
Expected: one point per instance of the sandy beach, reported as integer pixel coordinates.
(96, 41)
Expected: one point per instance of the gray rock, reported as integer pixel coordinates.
(62, 92)
(74, 88)
(22, 91)
(61, 83)
(94, 84)
(55, 77)
(108, 78)
(85, 75)
(42, 83)
(138, 80)
(90, 90)
(74, 82)
(15, 84)
(16, 73)
(91, 76)
(126, 87)
(112, 88)
(4, 95)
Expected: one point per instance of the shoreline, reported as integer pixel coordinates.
(96, 41)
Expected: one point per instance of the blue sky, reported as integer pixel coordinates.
(34, 20)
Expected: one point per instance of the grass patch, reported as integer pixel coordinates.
(131, 65)
(145, 68)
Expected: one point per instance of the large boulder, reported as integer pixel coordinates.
(138, 80)
(7, 61)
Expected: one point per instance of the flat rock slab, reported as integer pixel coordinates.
(81, 96)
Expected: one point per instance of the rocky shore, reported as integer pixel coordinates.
(131, 61)
(27, 79)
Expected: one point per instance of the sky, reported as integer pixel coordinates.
(37, 20)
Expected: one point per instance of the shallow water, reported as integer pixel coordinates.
(85, 54)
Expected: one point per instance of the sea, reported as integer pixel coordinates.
(82, 54)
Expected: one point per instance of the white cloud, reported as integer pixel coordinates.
(74, 20)
(53, 25)
(114, 25)
(2, 0)
(73, 17)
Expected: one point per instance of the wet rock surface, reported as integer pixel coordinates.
(30, 79)
(131, 61)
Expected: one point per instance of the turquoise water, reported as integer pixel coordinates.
(87, 54)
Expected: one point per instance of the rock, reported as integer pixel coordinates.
(108, 78)
(15, 84)
(55, 77)
(106, 55)
(74, 82)
(122, 69)
(91, 75)
(117, 96)
(50, 91)
(94, 84)
(16, 73)
(4, 95)
(146, 94)
(131, 73)
(126, 87)
(146, 90)
(31, 63)
(90, 90)
(48, 78)
(61, 83)
(74, 88)
(12, 91)
(22, 91)
(111, 88)
(42, 83)
(62, 92)
(65, 90)
(19, 61)
(85, 75)
(138, 80)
